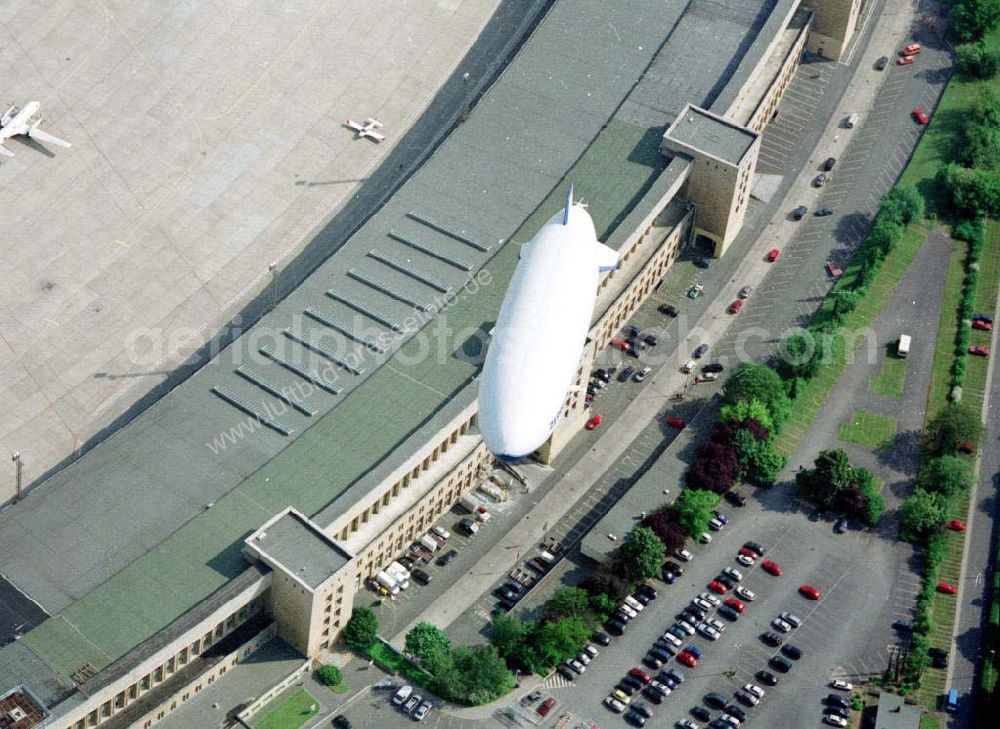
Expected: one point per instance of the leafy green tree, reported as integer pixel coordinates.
(872, 502)
(694, 509)
(885, 234)
(760, 460)
(746, 410)
(800, 356)
(970, 20)
(982, 146)
(921, 513)
(328, 675)
(555, 642)
(974, 193)
(985, 108)
(976, 60)
(424, 639)
(846, 301)
(642, 553)
(507, 634)
(831, 474)
(903, 204)
(952, 426)
(947, 475)
(568, 601)
(602, 605)
(758, 382)
(361, 631)
(474, 675)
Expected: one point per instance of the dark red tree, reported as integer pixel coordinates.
(715, 468)
(664, 525)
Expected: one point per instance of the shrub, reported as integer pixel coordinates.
(947, 475)
(976, 60)
(921, 513)
(328, 675)
(970, 20)
(642, 553)
(953, 425)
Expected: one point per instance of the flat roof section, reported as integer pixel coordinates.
(293, 543)
(702, 56)
(244, 682)
(711, 135)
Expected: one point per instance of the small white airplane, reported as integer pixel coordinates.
(367, 129)
(17, 121)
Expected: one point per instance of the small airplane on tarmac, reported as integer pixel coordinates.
(367, 129)
(17, 121)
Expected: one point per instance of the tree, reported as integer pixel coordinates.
(800, 356)
(970, 20)
(477, 675)
(555, 642)
(974, 193)
(976, 60)
(608, 581)
(507, 634)
(952, 426)
(758, 382)
(328, 675)
(746, 410)
(664, 525)
(885, 234)
(832, 473)
(694, 509)
(759, 459)
(424, 639)
(715, 468)
(874, 507)
(602, 605)
(920, 514)
(568, 601)
(642, 553)
(903, 204)
(361, 631)
(947, 475)
(982, 145)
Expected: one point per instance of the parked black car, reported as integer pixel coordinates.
(736, 498)
(800, 212)
(668, 309)
(881, 63)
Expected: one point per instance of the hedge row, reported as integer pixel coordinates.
(974, 233)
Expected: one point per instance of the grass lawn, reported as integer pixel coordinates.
(292, 713)
(340, 688)
(868, 429)
(393, 662)
(929, 721)
(891, 378)
(944, 347)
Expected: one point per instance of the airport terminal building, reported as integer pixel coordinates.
(241, 513)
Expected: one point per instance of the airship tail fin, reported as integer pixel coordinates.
(607, 258)
(569, 204)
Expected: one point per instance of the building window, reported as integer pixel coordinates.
(106, 709)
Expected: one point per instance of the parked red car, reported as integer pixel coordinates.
(594, 422)
(956, 525)
(734, 308)
(921, 116)
(772, 567)
(546, 706)
(749, 552)
(687, 659)
(736, 605)
(675, 422)
(984, 325)
(716, 586)
(947, 588)
(904, 61)
(772, 255)
(621, 344)
(979, 351)
(638, 673)
(811, 592)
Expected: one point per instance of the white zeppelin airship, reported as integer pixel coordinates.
(540, 332)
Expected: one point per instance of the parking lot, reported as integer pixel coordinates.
(835, 637)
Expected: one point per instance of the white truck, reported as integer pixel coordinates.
(399, 573)
(387, 582)
(903, 348)
(429, 542)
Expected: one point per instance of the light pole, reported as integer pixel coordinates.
(16, 458)
(465, 96)
(272, 269)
